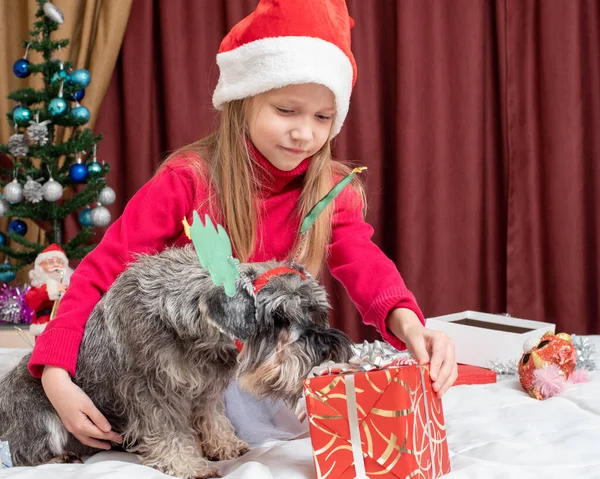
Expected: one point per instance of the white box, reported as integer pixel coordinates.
(482, 338)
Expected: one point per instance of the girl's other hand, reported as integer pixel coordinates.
(76, 410)
(427, 346)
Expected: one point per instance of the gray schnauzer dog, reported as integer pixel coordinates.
(158, 354)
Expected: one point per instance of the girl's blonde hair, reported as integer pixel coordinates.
(224, 157)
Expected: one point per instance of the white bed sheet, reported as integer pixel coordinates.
(494, 431)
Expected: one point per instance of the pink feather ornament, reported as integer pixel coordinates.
(579, 376)
(549, 381)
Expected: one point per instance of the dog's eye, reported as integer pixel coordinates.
(543, 343)
(279, 319)
(319, 317)
(526, 358)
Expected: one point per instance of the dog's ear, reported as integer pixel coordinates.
(299, 267)
(234, 315)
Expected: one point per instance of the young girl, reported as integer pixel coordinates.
(286, 75)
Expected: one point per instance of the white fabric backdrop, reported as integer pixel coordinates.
(494, 431)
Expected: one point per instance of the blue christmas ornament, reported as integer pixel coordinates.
(78, 95)
(6, 273)
(81, 77)
(18, 226)
(22, 116)
(61, 75)
(94, 168)
(58, 107)
(80, 115)
(85, 217)
(3, 239)
(78, 173)
(21, 68)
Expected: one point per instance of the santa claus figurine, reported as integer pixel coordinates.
(49, 280)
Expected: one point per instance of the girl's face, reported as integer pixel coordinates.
(291, 123)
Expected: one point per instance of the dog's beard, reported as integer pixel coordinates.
(276, 368)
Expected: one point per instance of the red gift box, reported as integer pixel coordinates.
(468, 374)
(384, 423)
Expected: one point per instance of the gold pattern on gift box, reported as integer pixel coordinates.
(330, 386)
(322, 396)
(369, 438)
(389, 413)
(405, 386)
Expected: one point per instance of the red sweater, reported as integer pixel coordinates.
(152, 221)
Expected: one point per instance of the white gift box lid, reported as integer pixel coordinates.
(482, 338)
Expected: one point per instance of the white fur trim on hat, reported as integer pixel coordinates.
(270, 63)
(50, 254)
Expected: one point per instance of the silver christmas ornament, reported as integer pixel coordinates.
(13, 192)
(18, 145)
(53, 13)
(100, 216)
(32, 191)
(38, 132)
(107, 196)
(52, 190)
(4, 207)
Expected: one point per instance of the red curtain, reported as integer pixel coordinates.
(478, 122)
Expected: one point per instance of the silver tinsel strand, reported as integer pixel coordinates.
(32, 191)
(38, 132)
(18, 145)
(503, 369)
(586, 353)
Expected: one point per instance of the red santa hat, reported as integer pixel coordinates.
(51, 251)
(287, 42)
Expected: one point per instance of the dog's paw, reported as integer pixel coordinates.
(224, 452)
(208, 473)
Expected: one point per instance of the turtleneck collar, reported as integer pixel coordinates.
(271, 179)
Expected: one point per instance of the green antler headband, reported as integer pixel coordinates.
(214, 251)
(316, 210)
(213, 246)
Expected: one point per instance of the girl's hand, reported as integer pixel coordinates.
(427, 346)
(76, 410)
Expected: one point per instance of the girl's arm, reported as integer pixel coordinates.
(371, 279)
(378, 291)
(150, 222)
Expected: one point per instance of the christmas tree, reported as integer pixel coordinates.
(50, 178)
